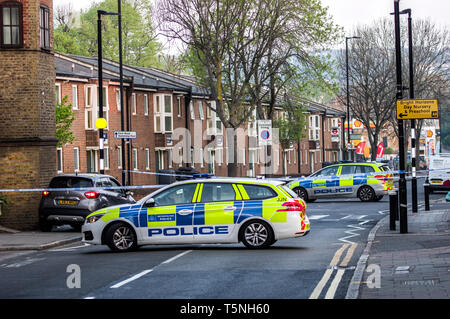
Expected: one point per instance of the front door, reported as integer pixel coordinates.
(171, 218)
(215, 212)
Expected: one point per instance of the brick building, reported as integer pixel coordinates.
(162, 108)
(27, 106)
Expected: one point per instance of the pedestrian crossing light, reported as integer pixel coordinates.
(101, 123)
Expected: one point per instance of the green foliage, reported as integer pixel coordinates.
(291, 125)
(64, 119)
(4, 200)
(139, 43)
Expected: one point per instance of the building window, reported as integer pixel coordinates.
(167, 113)
(74, 97)
(147, 159)
(135, 158)
(163, 113)
(106, 157)
(11, 34)
(191, 108)
(179, 106)
(200, 110)
(118, 100)
(119, 156)
(145, 104)
(45, 27)
(133, 104)
(59, 159)
(76, 159)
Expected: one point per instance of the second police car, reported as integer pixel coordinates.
(255, 212)
(366, 181)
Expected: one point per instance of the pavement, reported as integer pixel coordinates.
(12, 240)
(415, 265)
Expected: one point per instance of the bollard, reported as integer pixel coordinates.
(426, 190)
(393, 208)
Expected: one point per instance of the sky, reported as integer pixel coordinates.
(350, 13)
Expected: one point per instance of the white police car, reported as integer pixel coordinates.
(256, 212)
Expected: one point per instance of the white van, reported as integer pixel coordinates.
(439, 172)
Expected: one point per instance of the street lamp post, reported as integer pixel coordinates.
(348, 93)
(100, 84)
(401, 137)
(413, 121)
(122, 121)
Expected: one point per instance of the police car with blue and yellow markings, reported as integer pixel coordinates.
(366, 181)
(255, 212)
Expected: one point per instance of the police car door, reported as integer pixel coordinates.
(214, 212)
(170, 220)
(325, 183)
(346, 173)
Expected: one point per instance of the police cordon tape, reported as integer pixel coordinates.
(202, 175)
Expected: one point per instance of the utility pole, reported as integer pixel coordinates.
(100, 86)
(122, 121)
(401, 139)
(349, 156)
(413, 121)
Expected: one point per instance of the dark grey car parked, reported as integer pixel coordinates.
(58, 207)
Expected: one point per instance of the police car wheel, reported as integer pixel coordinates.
(256, 234)
(366, 194)
(121, 237)
(301, 192)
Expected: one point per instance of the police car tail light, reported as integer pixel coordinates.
(91, 195)
(291, 207)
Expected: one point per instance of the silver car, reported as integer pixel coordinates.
(61, 204)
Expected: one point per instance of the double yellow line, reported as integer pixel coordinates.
(340, 272)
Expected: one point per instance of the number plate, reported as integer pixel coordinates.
(67, 202)
(436, 182)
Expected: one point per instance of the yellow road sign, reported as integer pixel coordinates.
(417, 109)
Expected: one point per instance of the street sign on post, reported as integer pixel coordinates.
(417, 109)
(125, 134)
(264, 132)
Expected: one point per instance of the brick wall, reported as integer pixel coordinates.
(27, 120)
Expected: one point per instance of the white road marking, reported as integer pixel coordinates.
(312, 217)
(137, 276)
(334, 284)
(326, 276)
(25, 262)
(70, 248)
(145, 272)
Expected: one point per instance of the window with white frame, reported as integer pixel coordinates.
(314, 127)
(106, 157)
(105, 104)
(75, 97)
(157, 113)
(135, 158)
(119, 156)
(163, 113)
(201, 157)
(76, 159)
(147, 158)
(191, 109)
(59, 160)
(200, 110)
(168, 113)
(145, 104)
(118, 104)
(179, 106)
(89, 108)
(133, 104)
